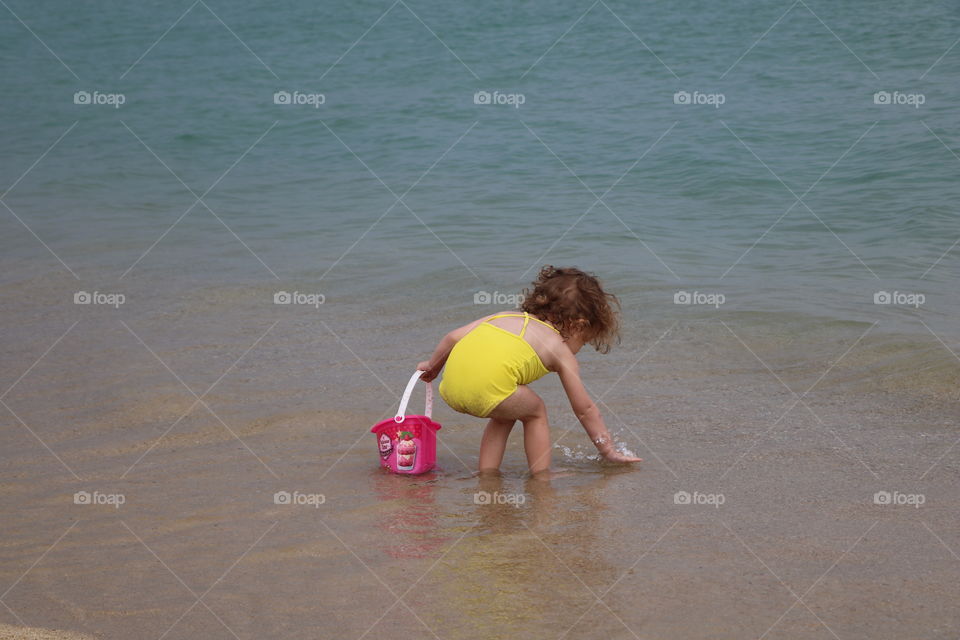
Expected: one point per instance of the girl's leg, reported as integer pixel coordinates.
(494, 442)
(526, 406)
(536, 442)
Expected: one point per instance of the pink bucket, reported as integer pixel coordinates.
(408, 444)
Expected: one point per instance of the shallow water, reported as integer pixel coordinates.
(798, 496)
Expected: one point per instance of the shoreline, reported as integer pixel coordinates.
(10, 632)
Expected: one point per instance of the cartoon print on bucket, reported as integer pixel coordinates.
(406, 451)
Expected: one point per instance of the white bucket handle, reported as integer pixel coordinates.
(428, 405)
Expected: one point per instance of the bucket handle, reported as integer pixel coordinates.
(428, 405)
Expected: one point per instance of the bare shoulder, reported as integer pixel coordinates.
(553, 351)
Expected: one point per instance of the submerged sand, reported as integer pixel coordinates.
(8, 632)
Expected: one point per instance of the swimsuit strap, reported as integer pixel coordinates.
(527, 317)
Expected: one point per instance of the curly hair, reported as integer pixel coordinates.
(574, 301)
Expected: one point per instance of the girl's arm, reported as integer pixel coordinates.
(431, 368)
(586, 411)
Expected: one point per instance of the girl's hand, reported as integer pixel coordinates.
(604, 445)
(428, 375)
(615, 456)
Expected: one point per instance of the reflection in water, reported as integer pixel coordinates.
(411, 522)
(532, 543)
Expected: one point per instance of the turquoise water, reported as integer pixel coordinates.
(694, 206)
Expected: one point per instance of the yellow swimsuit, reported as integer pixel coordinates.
(487, 365)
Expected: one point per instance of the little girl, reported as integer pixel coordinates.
(491, 361)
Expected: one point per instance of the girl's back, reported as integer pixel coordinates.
(543, 338)
(499, 353)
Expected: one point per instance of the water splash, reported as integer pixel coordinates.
(581, 453)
